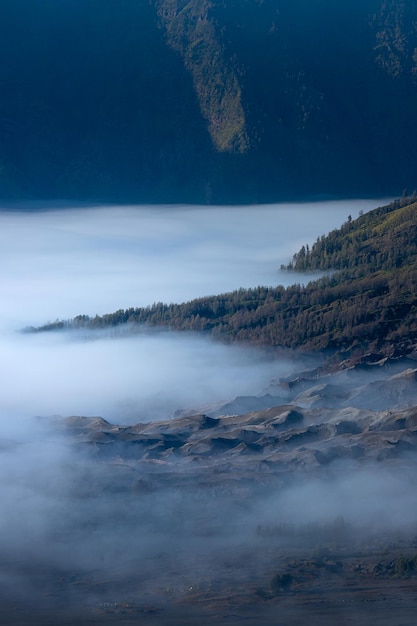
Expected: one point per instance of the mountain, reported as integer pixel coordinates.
(364, 302)
(207, 101)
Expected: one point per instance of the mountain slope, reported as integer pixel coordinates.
(368, 303)
(191, 32)
(198, 101)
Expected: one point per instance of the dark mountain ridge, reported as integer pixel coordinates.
(224, 101)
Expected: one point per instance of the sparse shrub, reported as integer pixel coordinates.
(319, 555)
(280, 583)
(405, 567)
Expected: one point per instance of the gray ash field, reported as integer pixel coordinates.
(297, 503)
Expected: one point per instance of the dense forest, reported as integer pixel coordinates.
(366, 301)
(207, 101)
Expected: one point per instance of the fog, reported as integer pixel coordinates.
(58, 264)
(82, 529)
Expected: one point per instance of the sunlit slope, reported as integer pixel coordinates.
(367, 303)
(208, 102)
(192, 32)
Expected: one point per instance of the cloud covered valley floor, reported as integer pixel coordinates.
(291, 505)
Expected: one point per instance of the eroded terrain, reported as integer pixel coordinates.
(290, 507)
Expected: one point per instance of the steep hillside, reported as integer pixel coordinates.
(192, 32)
(368, 303)
(198, 101)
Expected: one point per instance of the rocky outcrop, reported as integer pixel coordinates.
(330, 419)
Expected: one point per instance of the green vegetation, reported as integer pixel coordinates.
(394, 32)
(369, 303)
(192, 32)
(382, 240)
(401, 567)
(405, 567)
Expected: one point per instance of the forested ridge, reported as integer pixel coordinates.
(368, 303)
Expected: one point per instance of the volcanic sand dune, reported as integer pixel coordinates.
(170, 522)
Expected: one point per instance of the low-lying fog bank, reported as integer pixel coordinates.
(58, 264)
(200, 472)
(278, 508)
(139, 377)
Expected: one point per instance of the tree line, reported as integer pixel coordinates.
(367, 303)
